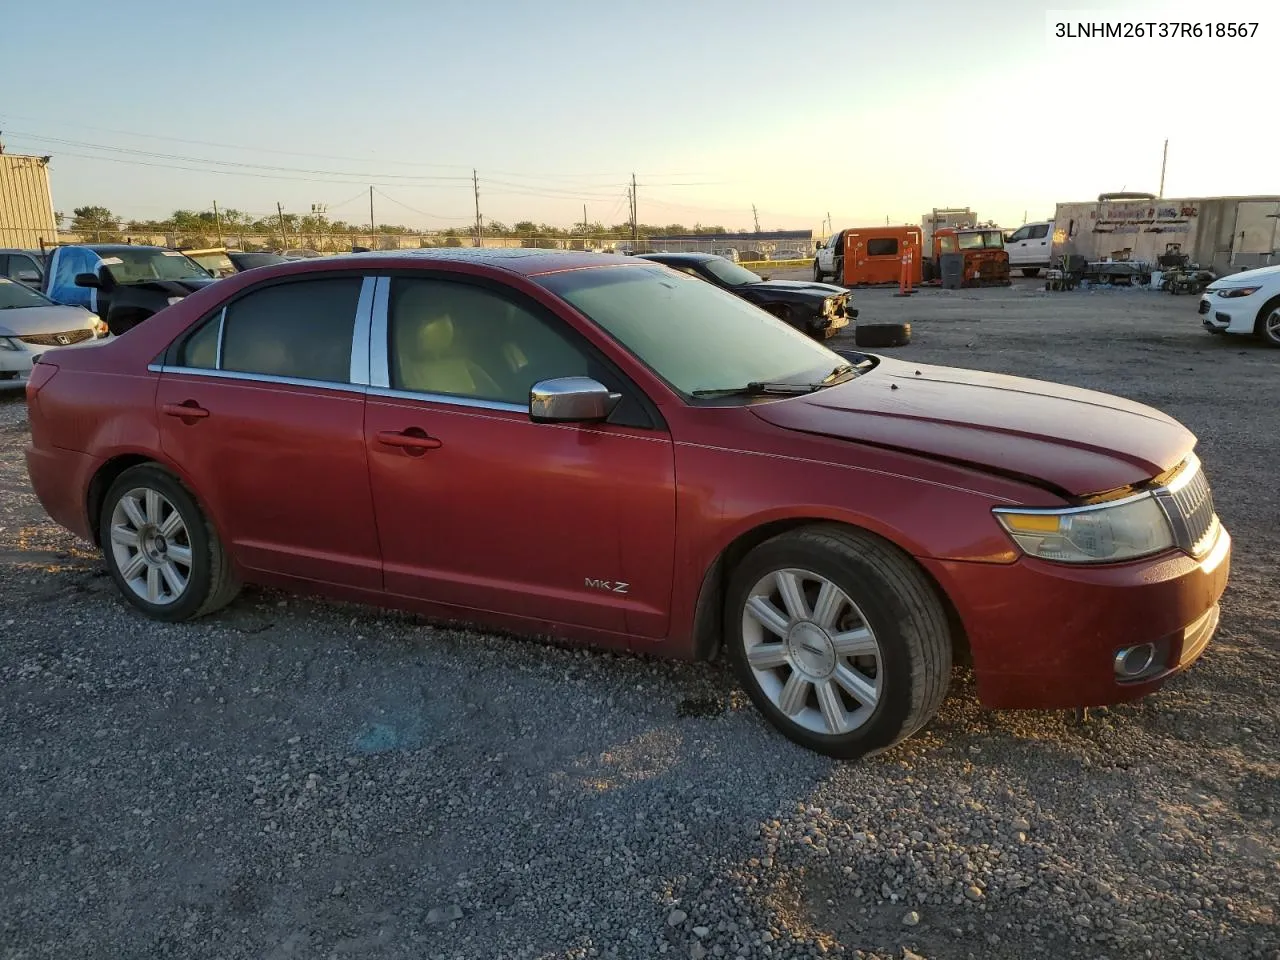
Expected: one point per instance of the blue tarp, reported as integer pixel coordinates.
(64, 265)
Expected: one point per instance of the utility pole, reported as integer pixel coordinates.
(634, 222)
(475, 182)
(283, 238)
(372, 229)
(217, 222)
(585, 231)
(1164, 160)
(756, 217)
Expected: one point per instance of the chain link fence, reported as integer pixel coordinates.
(738, 248)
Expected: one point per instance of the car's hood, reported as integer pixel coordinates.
(807, 286)
(1244, 277)
(1076, 442)
(175, 288)
(29, 321)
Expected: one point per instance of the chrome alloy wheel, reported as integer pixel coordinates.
(151, 546)
(812, 652)
(1271, 326)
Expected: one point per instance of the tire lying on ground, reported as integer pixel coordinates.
(882, 334)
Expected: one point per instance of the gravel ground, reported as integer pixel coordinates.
(292, 778)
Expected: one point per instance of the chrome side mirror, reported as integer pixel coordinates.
(571, 400)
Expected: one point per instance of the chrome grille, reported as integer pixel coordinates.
(1188, 503)
(57, 339)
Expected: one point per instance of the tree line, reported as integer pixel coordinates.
(101, 222)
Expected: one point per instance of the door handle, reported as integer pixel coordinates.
(413, 440)
(187, 410)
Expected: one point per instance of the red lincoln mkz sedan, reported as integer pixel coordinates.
(617, 453)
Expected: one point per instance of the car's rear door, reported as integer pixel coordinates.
(479, 507)
(261, 406)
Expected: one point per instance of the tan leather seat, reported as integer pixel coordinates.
(432, 360)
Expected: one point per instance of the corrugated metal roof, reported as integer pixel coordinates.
(26, 204)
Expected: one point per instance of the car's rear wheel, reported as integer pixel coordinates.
(1030, 271)
(1268, 325)
(839, 638)
(161, 550)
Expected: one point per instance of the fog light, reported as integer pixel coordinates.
(1134, 661)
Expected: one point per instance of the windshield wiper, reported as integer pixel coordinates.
(758, 388)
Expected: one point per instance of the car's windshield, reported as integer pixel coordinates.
(730, 272)
(15, 296)
(141, 263)
(693, 334)
(981, 240)
(219, 264)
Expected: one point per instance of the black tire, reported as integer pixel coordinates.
(882, 334)
(898, 602)
(1260, 325)
(1031, 271)
(211, 582)
(837, 271)
(818, 275)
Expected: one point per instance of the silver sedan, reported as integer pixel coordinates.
(31, 323)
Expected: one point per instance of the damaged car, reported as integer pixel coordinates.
(122, 283)
(820, 310)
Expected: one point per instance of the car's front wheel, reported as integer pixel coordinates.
(818, 275)
(1268, 326)
(839, 638)
(161, 550)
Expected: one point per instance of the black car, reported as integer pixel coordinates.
(123, 283)
(818, 309)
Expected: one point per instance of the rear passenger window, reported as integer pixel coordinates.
(1039, 231)
(882, 247)
(301, 330)
(200, 350)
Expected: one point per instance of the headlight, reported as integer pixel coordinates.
(828, 306)
(1105, 533)
(1229, 292)
(172, 300)
(7, 344)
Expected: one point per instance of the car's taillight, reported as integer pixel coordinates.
(42, 372)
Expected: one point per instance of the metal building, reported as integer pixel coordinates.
(1223, 234)
(26, 202)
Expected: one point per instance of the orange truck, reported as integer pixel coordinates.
(866, 256)
(981, 249)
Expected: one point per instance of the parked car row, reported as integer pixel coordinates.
(625, 453)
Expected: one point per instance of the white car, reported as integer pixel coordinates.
(31, 323)
(1245, 302)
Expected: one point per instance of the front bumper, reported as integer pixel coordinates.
(1046, 635)
(1233, 315)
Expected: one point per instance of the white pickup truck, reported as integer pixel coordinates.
(1030, 247)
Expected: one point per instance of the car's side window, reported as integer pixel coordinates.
(199, 351)
(457, 339)
(301, 330)
(1038, 232)
(1020, 234)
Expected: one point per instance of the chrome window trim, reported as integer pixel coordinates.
(447, 399)
(379, 366)
(1069, 511)
(265, 378)
(222, 329)
(360, 333)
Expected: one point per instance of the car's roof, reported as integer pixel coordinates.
(114, 247)
(528, 261)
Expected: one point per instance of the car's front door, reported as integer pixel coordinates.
(479, 507)
(262, 408)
